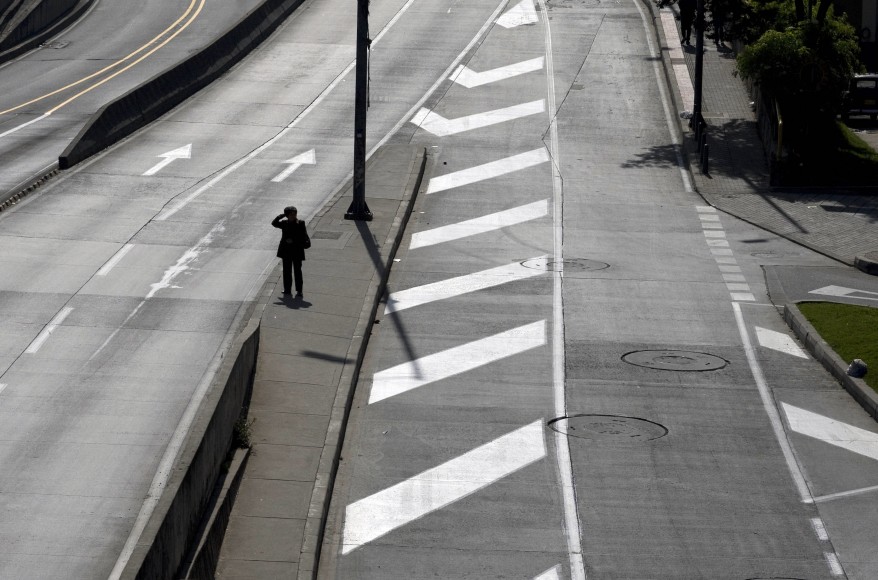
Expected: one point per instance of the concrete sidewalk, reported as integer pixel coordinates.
(309, 357)
(839, 223)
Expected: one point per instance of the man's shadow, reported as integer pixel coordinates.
(292, 302)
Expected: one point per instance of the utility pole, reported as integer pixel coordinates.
(358, 209)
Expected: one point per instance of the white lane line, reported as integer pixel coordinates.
(705, 209)
(711, 225)
(716, 243)
(117, 257)
(3, 387)
(742, 297)
(819, 529)
(729, 268)
(23, 125)
(469, 78)
(734, 278)
(738, 287)
(770, 408)
(572, 525)
(714, 234)
(184, 152)
(48, 330)
(488, 170)
(843, 494)
(306, 158)
(779, 341)
(379, 514)
(834, 432)
(842, 292)
(442, 127)
(464, 284)
(519, 15)
(707, 217)
(721, 252)
(554, 573)
(480, 225)
(725, 260)
(834, 565)
(454, 361)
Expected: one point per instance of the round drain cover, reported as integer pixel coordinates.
(572, 266)
(675, 360)
(604, 427)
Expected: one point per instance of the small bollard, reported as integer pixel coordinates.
(705, 156)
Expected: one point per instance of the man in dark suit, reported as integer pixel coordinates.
(291, 250)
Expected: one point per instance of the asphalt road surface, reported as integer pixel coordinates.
(579, 371)
(50, 92)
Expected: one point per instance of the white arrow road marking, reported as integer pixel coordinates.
(117, 257)
(184, 152)
(553, 573)
(48, 330)
(442, 127)
(488, 170)
(841, 291)
(469, 78)
(389, 509)
(488, 223)
(831, 431)
(306, 158)
(521, 14)
(463, 284)
(779, 341)
(454, 361)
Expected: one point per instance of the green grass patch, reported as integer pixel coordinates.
(852, 331)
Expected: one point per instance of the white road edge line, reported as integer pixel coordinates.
(23, 125)
(770, 408)
(117, 257)
(48, 330)
(834, 564)
(819, 529)
(379, 514)
(572, 524)
(666, 100)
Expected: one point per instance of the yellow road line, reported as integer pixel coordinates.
(118, 62)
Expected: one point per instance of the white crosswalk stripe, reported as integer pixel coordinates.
(488, 170)
(389, 509)
(831, 431)
(464, 284)
(481, 225)
(454, 361)
(522, 13)
(469, 78)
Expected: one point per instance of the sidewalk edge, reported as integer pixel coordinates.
(315, 524)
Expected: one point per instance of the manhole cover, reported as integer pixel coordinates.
(615, 427)
(572, 266)
(675, 360)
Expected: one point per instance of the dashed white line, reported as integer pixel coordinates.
(480, 225)
(464, 284)
(819, 529)
(454, 361)
(834, 565)
(117, 257)
(381, 513)
(48, 330)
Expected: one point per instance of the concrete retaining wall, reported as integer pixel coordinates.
(165, 91)
(32, 25)
(175, 523)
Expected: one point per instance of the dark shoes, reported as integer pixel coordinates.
(299, 295)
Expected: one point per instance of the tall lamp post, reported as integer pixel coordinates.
(699, 60)
(358, 209)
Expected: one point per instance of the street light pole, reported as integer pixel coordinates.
(699, 60)
(358, 209)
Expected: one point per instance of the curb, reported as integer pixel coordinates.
(868, 263)
(20, 191)
(315, 525)
(820, 350)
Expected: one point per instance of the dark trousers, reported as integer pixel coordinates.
(296, 267)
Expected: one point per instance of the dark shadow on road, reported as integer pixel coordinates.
(375, 254)
(292, 302)
(324, 356)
